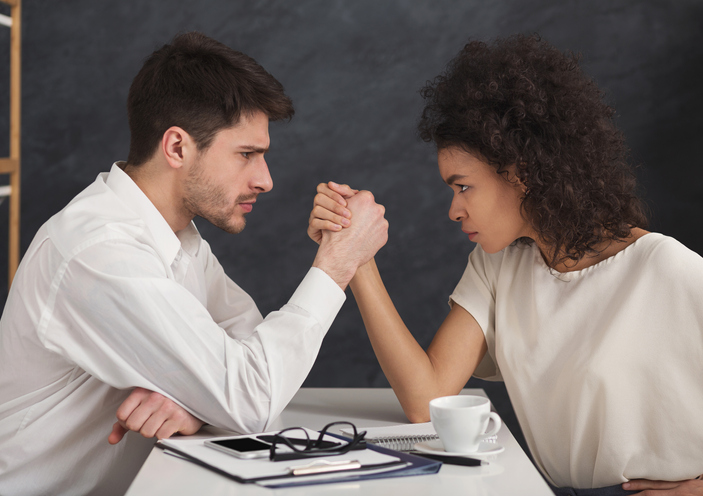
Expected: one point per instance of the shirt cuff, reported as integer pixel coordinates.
(319, 295)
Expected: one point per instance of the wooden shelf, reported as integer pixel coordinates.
(11, 164)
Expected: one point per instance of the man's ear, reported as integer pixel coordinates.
(177, 146)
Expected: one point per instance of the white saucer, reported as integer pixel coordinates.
(437, 448)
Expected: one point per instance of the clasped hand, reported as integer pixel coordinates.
(346, 246)
(330, 212)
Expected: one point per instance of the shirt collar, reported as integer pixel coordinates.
(167, 242)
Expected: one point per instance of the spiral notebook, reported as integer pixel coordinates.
(402, 437)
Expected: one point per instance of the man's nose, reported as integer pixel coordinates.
(262, 180)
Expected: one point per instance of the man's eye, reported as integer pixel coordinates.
(246, 154)
(462, 188)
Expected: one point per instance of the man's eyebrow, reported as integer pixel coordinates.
(252, 148)
(453, 178)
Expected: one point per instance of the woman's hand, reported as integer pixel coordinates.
(329, 212)
(693, 487)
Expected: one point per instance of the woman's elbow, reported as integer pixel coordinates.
(417, 416)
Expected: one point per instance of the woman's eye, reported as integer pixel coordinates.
(245, 154)
(463, 188)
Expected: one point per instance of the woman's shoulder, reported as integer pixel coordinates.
(655, 244)
(661, 253)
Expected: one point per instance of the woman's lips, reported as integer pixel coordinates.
(472, 234)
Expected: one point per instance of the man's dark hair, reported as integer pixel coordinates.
(521, 101)
(202, 86)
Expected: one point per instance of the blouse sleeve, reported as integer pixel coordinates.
(476, 294)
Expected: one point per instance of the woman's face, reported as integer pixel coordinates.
(486, 204)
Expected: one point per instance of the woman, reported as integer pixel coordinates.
(594, 324)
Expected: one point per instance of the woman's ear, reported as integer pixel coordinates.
(520, 171)
(515, 174)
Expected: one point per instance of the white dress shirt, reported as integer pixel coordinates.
(108, 298)
(604, 366)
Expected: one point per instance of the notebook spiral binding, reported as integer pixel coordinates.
(402, 443)
(407, 443)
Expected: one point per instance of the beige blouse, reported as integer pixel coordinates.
(604, 366)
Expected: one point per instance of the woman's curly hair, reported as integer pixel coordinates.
(522, 102)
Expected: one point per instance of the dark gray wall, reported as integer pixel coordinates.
(353, 69)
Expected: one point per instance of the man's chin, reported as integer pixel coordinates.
(228, 225)
(234, 229)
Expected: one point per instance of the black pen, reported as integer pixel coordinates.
(451, 460)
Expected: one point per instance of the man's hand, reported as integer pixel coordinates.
(693, 487)
(343, 251)
(329, 212)
(152, 415)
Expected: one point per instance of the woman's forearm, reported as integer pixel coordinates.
(406, 365)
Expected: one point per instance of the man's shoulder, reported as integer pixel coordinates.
(95, 213)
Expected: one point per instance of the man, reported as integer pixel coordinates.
(119, 291)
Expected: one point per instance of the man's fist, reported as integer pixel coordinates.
(152, 415)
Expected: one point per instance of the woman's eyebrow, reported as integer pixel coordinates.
(453, 178)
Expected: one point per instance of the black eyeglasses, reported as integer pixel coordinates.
(304, 447)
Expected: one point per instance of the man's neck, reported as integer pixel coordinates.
(159, 184)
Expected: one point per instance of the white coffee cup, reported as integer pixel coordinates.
(461, 421)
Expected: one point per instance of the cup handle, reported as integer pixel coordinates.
(496, 425)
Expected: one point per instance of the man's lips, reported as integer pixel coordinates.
(248, 205)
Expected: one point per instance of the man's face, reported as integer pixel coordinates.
(225, 179)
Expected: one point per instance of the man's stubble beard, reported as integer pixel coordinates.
(209, 201)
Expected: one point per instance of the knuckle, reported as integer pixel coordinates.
(154, 402)
(132, 425)
(154, 396)
(170, 407)
(366, 195)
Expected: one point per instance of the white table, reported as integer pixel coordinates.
(511, 472)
